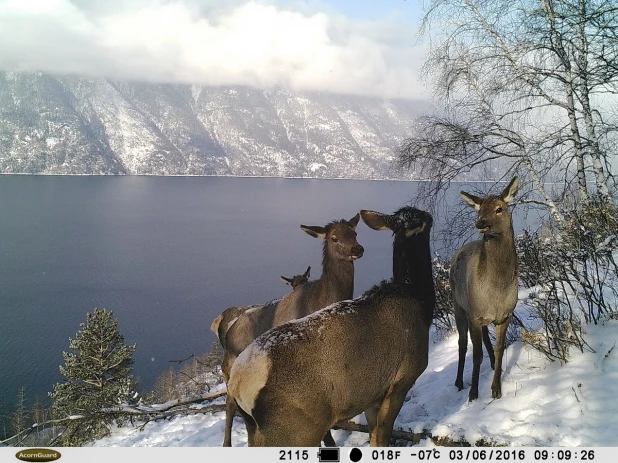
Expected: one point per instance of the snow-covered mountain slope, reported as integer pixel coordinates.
(70, 125)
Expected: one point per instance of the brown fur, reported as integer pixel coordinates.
(483, 278)
(294, 382)
(222, 323)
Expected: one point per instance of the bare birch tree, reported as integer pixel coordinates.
(526, 85)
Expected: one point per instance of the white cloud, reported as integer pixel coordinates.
(203, 42)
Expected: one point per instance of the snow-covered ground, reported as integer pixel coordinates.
(544, 404)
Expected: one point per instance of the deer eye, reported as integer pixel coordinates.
(334, 239)
(499, 210)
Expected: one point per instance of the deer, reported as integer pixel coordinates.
(222, 323)
(483, 279)
(297, 280)
(336, 283)
(297, 380)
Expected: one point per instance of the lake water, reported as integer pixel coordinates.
(165, 254)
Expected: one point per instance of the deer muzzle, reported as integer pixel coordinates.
(357, 251)
(482, 226)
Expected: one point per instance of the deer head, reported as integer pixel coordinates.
(340, 238)
(494, 218)
(297, 280)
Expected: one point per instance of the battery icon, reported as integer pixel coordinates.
(326, 454)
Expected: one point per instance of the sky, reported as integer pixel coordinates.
(363, 47)
(544, 404)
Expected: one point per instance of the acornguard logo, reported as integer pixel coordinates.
(38, 455)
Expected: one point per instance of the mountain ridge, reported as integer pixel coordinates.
(82, 126)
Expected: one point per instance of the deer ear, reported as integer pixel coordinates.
(287, 281)
(354, 221)
(316, 232)
(472, 200)
(509, 192)
(308, 272)
(376, 220)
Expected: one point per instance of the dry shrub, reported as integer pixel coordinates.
(572, 270)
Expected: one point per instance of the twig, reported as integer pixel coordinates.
(610, 351)
(182, 360)
(577, 398)
(397, 434)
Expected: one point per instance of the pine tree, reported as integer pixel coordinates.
(98, 375)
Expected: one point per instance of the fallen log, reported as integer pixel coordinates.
(397, 433)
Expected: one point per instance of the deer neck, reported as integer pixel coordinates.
(412, 267)
(337, 277)
(498, 257)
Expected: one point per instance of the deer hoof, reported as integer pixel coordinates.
(473, 396)
(496, 388)
(459, 384)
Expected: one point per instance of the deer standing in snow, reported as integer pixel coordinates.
(483, 278)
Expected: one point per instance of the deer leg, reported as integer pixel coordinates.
(372, 417)
(389, 409)
(476, 334)
(289, 437)
(328, 440)
(461, 321)
(230, 411)
(251, 426)
(290, 428)
(488, 347)
(496, 385)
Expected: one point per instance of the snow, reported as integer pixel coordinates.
(315, 166)
(544, 403)
(51, 141)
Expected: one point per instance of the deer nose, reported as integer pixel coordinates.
(357, 251)
(482, 224)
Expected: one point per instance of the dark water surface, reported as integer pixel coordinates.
(165, 254)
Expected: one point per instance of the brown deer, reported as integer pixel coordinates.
(297, 280)
(294, 382)
(483, 278)
(335, 284)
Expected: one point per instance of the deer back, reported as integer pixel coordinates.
(358, 371)
(300, 302)
(249, 326)
(223, 322)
